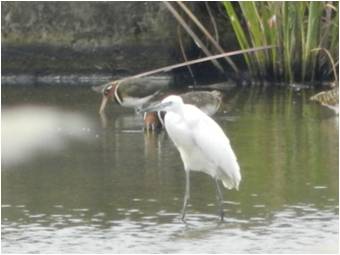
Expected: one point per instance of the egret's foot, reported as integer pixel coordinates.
(183, 216)
(221, 211)
(185, 203)
(222, 215)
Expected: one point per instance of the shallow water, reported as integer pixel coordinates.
(120, 191)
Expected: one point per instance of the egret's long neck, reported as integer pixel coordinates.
(179, 110)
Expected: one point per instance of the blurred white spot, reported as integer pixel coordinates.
(27, 131)
(320, 187)
(259, 206)
(152, 200)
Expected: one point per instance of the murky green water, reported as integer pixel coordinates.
(122, 190)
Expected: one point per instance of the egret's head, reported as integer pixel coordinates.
(107, 90)
(170, 103)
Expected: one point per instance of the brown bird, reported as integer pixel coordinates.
(152, 121)
(208, 101)
(329, 98)
(138, 92)
(132, 93)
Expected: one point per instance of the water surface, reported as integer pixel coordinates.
(121, 190)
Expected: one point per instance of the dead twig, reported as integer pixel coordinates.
(179, 35)
(207, 34)
(196, 39)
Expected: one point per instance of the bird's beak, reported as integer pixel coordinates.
(103, 104)
(155, 107)
(106, 92)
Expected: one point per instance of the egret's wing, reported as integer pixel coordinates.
(214, 144)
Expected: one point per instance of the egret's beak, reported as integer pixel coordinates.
(156, 107)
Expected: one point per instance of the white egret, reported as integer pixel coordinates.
(202, 145)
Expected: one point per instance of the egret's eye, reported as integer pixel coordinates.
(107, 90)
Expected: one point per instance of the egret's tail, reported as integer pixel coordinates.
(230, 182)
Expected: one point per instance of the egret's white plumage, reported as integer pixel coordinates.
(202, 144)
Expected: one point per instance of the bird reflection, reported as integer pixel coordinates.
(153, 145)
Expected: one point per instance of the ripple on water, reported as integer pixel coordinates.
(37, 216)
(288, 230)
(228, 202)
(80, 209)
(75, 220)
(149, 218)
(259, 206)
(320, 187)
(100, 214)
(152, 200)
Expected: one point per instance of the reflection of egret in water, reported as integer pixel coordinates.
(28, 131)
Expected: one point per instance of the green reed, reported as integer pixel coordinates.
(306, 33)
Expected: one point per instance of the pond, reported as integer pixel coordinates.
(120, 190)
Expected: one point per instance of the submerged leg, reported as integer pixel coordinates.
(219, 197)
(187, 193)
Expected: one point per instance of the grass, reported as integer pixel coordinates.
(299, 29)
(306, 34)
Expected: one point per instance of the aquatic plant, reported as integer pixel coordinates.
(299, 29)
(306, 35)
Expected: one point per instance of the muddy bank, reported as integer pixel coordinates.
(102, 38)
(82, 37)
(68, 37)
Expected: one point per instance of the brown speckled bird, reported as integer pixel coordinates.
(329, 98)
(132, 93)
(207, 101)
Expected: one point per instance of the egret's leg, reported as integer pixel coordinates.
(187, 192)
(219, 196)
